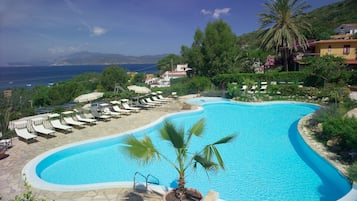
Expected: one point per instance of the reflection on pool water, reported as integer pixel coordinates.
(267, 161)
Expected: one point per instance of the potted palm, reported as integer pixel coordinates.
(209, 157)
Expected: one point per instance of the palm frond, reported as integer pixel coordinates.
(206, 164)
(143, 150)
(198, 128)
(175, 136)
(211, 150)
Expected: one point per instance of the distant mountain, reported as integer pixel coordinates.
(93, 58)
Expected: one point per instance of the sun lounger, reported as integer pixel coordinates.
(155, 98)
(38, 127)
(70, 121)
(253, 89)
(102, 117)
(22, 131)
(149, 101)
(88, 115)
(263, 88)
(107, 111)
(85, 120)
(163, 98)
(128, 107)
(56, 123)
(116, 108)
(174, 95)
(24, 134)
(144, 102)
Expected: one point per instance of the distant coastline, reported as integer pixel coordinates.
(30, 76)
(89, 58)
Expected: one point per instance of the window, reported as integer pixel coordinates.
(346, 49)
(329, 49)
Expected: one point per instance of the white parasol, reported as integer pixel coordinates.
(88, 97)
(139, 90)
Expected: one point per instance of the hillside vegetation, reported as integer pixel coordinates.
(327, 18)
(323, 20)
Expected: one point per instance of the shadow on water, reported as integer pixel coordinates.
(334, 185)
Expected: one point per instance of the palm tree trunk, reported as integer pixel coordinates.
(181, 189)
(285, 58)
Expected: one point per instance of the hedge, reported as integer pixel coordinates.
(276, 76)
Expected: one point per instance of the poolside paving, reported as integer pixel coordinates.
(12, 184)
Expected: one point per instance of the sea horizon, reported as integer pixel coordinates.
(35, 75)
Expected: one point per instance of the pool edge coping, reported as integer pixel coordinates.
(352, 194)
(35, 181)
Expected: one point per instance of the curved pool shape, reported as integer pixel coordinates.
(267, 161)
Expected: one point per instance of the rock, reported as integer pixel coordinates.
(319, 128)
(211, 196)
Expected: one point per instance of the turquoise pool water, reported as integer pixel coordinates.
(267, 161)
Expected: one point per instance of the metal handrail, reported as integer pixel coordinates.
(146, 179)
(138, 173)
(150, 175)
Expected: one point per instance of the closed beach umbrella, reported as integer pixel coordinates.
(139, 89)
(88, 97)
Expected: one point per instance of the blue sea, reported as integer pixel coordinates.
(47, 75)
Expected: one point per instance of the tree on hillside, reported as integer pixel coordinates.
(138, 78)
(213, 51)
(168, 63)
(112, 75)
(282, 27)
(194, 56)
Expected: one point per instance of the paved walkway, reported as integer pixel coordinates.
(11, 183)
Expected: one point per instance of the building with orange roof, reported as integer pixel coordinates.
(346, 49)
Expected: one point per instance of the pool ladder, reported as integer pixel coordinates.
(147, 181)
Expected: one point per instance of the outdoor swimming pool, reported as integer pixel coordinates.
(267, 161)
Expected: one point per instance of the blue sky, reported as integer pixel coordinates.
(46, 29)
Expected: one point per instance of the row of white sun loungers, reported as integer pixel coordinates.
(29, 130)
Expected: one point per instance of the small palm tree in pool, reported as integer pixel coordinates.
(209, 157)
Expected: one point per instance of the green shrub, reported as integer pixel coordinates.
(352, 172)
(190, 85)
(324, 113)
(233, 90)
(27, 195)
(345, 128)
(334, 93)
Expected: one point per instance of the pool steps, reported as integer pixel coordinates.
(137, 185)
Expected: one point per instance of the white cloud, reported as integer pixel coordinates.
(98, 31)
(216, 13)
(206, 12)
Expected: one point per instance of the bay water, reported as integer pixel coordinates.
(31, 76)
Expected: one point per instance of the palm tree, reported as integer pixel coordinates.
(282, 26)
(145, 151)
